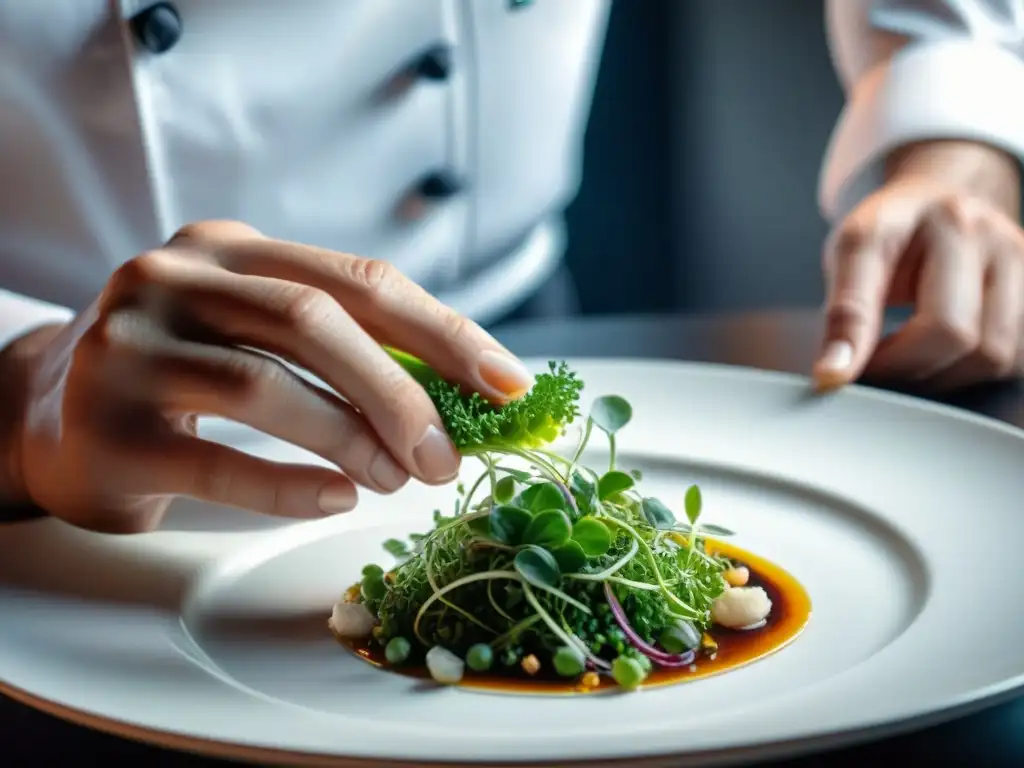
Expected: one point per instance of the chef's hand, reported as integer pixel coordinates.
(107, 434)
(943, 236)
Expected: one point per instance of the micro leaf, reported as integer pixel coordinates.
(593, 536)
(658, 515)
(481, 526)
(693, 504)
(550, 528)
(518, 474)
(611, 413)
(613, 483)
(542, 496)
(715, 530)
(570, 556)
(537, 566)
(504, 489)
(584, 491)
(396, 548)
(507, 524)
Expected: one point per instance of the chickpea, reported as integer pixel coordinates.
(737, 577)
(590, 680)
(531, 665)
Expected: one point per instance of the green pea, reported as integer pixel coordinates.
(568, 661)
(480, 657)
(397, 650)
(627, 673)
(374, 588)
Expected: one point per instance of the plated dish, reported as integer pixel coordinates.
(865, 499)
(561, 577)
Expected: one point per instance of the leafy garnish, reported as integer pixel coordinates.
(575, 567)
(475, 424)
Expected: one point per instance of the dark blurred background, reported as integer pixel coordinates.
(709, 123)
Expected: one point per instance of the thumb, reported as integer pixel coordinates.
(857, 277)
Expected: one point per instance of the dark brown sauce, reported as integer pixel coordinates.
(791, 610)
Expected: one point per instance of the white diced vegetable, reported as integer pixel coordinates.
(741, 607)
(445, 667)
(352, 620)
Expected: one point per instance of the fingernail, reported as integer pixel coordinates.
(838, 356)
(505, 374)
(337, 497)
(386, 473)
(435, 456)
(830, 372)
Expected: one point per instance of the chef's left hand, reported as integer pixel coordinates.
(943, 236)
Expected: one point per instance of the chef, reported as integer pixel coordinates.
(194, 191)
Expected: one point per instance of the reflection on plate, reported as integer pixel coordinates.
(216, 641)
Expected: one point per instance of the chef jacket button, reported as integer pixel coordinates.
(157, 27)
(435, 64)
(439, 186)
(517, 5)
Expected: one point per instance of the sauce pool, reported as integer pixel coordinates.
(791, 610)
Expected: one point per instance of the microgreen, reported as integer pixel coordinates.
(593, 536)
(541, 496)
(550, 528)
(504, 490)
(613, 483)
(657, 514)
(538, 567)
(507, 524)
(526, 561)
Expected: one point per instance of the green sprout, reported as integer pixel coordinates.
(573, 566)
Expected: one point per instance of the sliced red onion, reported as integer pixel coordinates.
(659, 657)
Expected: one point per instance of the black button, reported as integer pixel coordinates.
(440, 185)
(435, 64)
(158, 27)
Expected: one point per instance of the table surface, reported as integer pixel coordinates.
(784, 341)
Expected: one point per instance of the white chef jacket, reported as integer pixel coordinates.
(441, 135)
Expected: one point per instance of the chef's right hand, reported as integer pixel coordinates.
(107, 434)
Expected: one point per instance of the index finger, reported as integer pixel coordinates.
(393, 309)
(857, 278)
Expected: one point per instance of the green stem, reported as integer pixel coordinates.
(555, 591)
(491, 474)
(584, 439)
(611, 448)
(494, 603)
(556, 630)
(472, 491)
(524, 454)
(669, 595)
(440, 593)
(514, 631)
(611, 570)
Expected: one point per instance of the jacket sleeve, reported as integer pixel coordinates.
(20, 314)
(918, 70)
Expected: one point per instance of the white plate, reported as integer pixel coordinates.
(902, 520)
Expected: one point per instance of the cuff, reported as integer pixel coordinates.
(20, 314)
(964, 90)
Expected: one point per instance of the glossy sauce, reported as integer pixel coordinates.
(791, 610)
